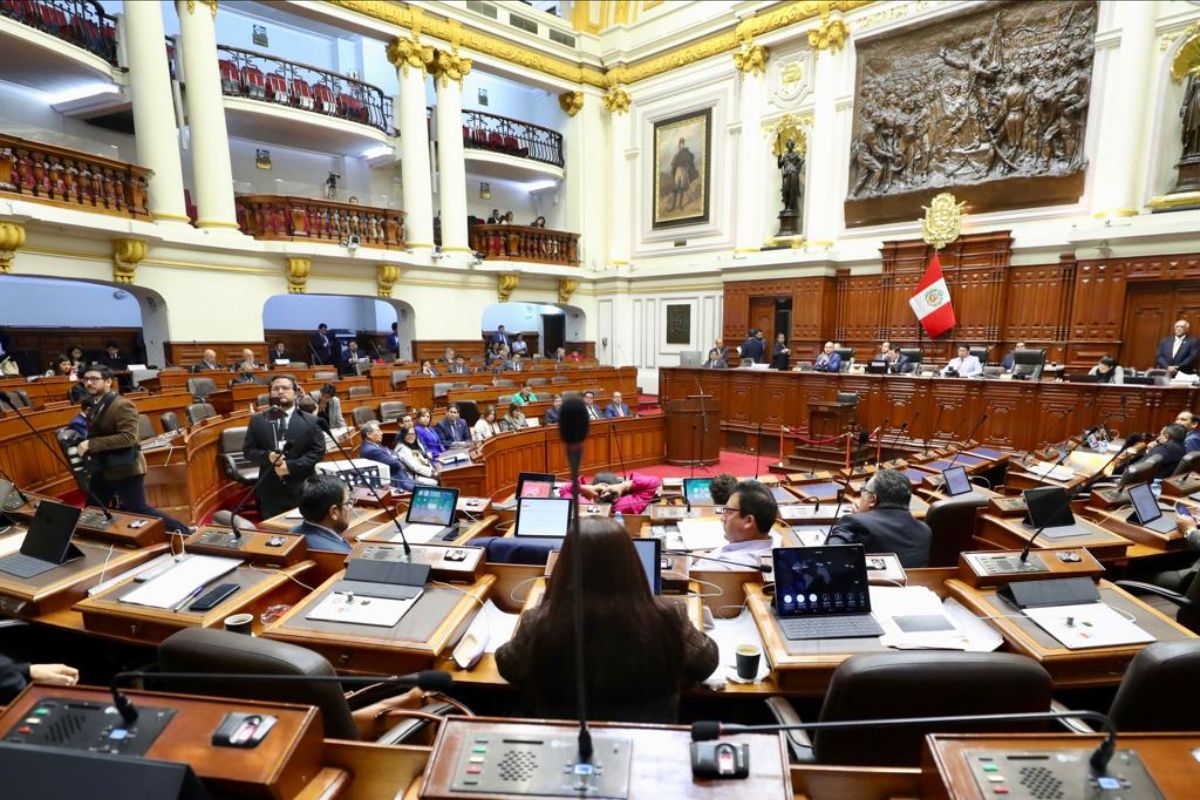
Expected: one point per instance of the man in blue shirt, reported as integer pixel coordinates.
(326, 505)
(373, 450)
(1191, 423)
(828, 360)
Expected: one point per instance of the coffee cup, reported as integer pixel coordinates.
(239, 623)
(748, 656)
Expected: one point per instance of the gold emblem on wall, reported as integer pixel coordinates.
(566, 288)
(506, 285)
(752, 59)
(570, 102)
(297, 270)
(943, 220)
(12, 239)
(126, 255)
(789, 126)
(832, 35)
(616, 100)
(386, 276)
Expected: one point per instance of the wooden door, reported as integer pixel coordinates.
(1150, 311)
(762, 316)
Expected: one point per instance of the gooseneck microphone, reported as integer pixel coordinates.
(900, 436)
(970, 437)
(573, 428)
(863, 437)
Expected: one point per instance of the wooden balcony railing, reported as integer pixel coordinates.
(270, 216)
(483, 131)
(81, 22)
(258, 76)
(525, 243)
(72, 179)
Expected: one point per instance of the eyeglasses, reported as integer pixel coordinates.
(94, 379)
(730, 509)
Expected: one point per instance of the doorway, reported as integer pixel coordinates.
(762, 316)
(554, 332)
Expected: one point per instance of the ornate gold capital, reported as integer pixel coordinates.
(126, 255)
(566, 288)
(570, 102)
(506, 285)
(751, 59)
(616, 100)
(12, 239)
(449, 66)
(297, 270)
(831, 35)
(212, 4)
(386, 276)
(404, 52)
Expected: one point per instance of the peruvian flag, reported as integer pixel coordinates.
(930, 301)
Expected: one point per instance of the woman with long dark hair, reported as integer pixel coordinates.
(638, 649)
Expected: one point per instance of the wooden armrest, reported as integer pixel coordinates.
(1138, 587)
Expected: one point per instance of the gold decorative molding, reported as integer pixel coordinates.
(566, 288)
(404, 52)
(126, 255)
(1187, 57)
(12, 239)
(789, 126)
(1161, 201)
(751, 59)
(212, 4)
(943, 220)
(449, 66)
(1167, 39)
(386, 276)
(297, 270)
(506, 285)
(571, 102)
(832, 34)
(616, 100)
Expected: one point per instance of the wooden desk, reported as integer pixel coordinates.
(1116, 520)
(1010, 533)
(361, 521)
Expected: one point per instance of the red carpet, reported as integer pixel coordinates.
(740, 465)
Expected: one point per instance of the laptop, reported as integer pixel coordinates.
(430, 514)
(649, 551)
(47, 543)
(546, 517)
(823, 592)
(535, 484)
(1146, 511)
(877, 367)
(956, 481)
(698, 491)
(1048, 510)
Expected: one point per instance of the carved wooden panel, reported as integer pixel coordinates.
(1096, 314)
(859, 306)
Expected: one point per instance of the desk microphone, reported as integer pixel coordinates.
(969, 438)
(263, 472)
(863, 436)
(933, 432)
(1071, 449)
(901, 435)
(573, 428)
(24, 497)
(427, 680)
(612, 433)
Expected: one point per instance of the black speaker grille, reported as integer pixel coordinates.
(1042, 783)
(517, 765)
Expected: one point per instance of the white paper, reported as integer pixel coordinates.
(1088, 625)
(359, 610)
(417, 532)
(889, 602)
(728, 634)
(11, 543)
(492, 626)
(1044, 470)
(704, 533)
(180, 581)
(981, 637)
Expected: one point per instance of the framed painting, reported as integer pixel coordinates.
(681, 169)
(679, 324)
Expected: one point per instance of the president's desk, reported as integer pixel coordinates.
(1020, 414)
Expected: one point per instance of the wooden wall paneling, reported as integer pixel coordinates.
(739, 404)
(814, 311)
(735, 319)
(1149, 311)
(434, 348)
(905, 401)
(185, 354)
(1037, 307)
(1097, 311)
(1059, 414)
(37, 347)
(859, 310)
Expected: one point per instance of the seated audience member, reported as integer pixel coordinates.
(540, 222)
(208, 363)
(747, 517)
(554, 412)
(63, 367)
(427, 435)
(248, 362)
(486, 426)
(77, 358)
(279, 353)
(721, 487)
(964, 365)
(373, 450)
(519, 347)
(883, 523)
(449, 356)
(629, 633)
(416, 463)
(629, 496)
(589, 400)
(1109, 371)
(781, 353)
(514, 420)
(112, 357)
(828, 360)
(617, 408)
(1010, 358)
(15, 676)
(524, 395)
(1191, 423)
(885, 350)
(353, 359)
(897, 362)
(560, 354)
(1169, 445)
(428, 370)
(516, 363)
(406, 421)
(329, 406)
(453, 429)
(575, 356)
(495, 217)
(458, 367)
(326, 505)
(714, 360)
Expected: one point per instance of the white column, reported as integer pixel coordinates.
(153, 111)
(620, 204)
(587, 178)
(820, 222)
(449, 71)
(212, 173)
(1121, 152)
(749, 231)
(414, 145)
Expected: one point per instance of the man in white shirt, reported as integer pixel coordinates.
(965, 366)
(747, 517)
(589, 400)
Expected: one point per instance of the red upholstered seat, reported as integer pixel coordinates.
(277, 89)
(231, 82)
(323, 98)
(302, 93)
(254, 82)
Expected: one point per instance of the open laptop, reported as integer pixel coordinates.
(1048, 510)
(649, 551)
(430, 514)
(698, 491)
(823, 592)
(47, 543)
(546, 517)
(1146, 511)
(956, 482)
(535, 484)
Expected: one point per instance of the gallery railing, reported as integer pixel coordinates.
(483, 131)
(72, 179)
(83, 23)
(525, 243)
(279, 217)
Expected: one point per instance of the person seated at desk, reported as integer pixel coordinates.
(589, 400)
(516, 364)
(1108, 370)
(1010, 358)
(629, 496)
(427, 436)
(883, 521)
(326, 505)
(828, 360)
(715, 361)
(15, 676)
(353, 359)
(453, 429)
(329, 406)
(519, 347)
(721, 488)
(554, 412)
(112, 357)
(415, 460)
(208, 363)
(514, 420)
(1178, 353)
(964, 365)
(458, 367)
(575, 357)
(449, 356)
(638, 651)
(897, 362)
(1169, 446)
(885, 350)
(77, 358)
(1191, 424)
(560, 354)
(373, 450)
(248, 362)
(427, 369)
(747, 517)
(279, 353)
(486, 426)
(617, 408)
(524, 395)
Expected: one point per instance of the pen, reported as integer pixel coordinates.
(192, 596)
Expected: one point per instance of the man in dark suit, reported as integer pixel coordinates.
(208, 363)
(1191, 424)
(353, 359)
(393, 341)
(285, 442)
(459, 367)
(1178, 353)
(453, 428)
(112, 357)
(554, 412)
(373, 450)
(279, 353)
(326, 505)
(499, 337)
(829, 360)
(589, 401)
(322, 345)
(1169, 447)
(715, 361)
(755, 347)
(883, 523)
(111, 451)
(616, 408)
(897, 362)
(1010, 359)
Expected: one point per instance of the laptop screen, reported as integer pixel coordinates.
(698, 491)
(821, 581)
(1144, 503)
(49, 533)
(432, 505)
(542, 516)
(1048, 507)
(957, 481)
(535, 484)
(649, 552)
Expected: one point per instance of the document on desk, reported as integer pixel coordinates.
(418, 532)
(1087, 625)
(176, 584)
(493, 626)
(728, 634)
(1046, 469)
(382, 612)
(913, 619)
(704, 533)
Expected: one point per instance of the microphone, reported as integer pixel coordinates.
(758, 450)
(612, 428)
(24, 497)
(863, 437)
(704, 424)
(263, 472)
(900, 435)
(427, 680)
(573, 428)
(933, 432)
(704, 731)
(1071, 449)
(969, 438)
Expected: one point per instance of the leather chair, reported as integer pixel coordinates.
(360, 391)
(915, 684)
(1189, 463)
(363, 415)
(952, 521)
(1153, 696)
(169, 421)
(848, 398)
(227, 518)
(502, 382)
(201, 388)
(512, 550)
(804, 366)
(561, 379)
(325, 375)
(299, 365)
(538, 381)
(478, 387)
(442, 388)
(198, 412)
(233, 462)
(391, 410)
(145, 428)
(18, 398)
(1187, 604)
(399, 376)
(1141, 472)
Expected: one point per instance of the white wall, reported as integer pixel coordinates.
(49, 303)
(302, 173)
(306, 311)
(506, 196)
(26, 113)
(516, 317)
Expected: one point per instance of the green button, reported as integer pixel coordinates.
(41, 712)
(478, 749)
(990, 768)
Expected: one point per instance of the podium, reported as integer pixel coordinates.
(694, 430)
(829, 417)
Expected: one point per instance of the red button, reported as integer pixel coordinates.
(24, 729)
(1001, 790)
(472, 770)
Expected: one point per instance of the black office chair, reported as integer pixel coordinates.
(169, 421)
(1140, 472)
(198, 412)
(516, 550)
(363, 415)
(1149, 698)
(846, 354)
(1189, 463)
(915, 684)
(981, 353)
(145, 428)
(1187, 604)
(469, 411)
(233, 461)
(952, 521)
(848, 398)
